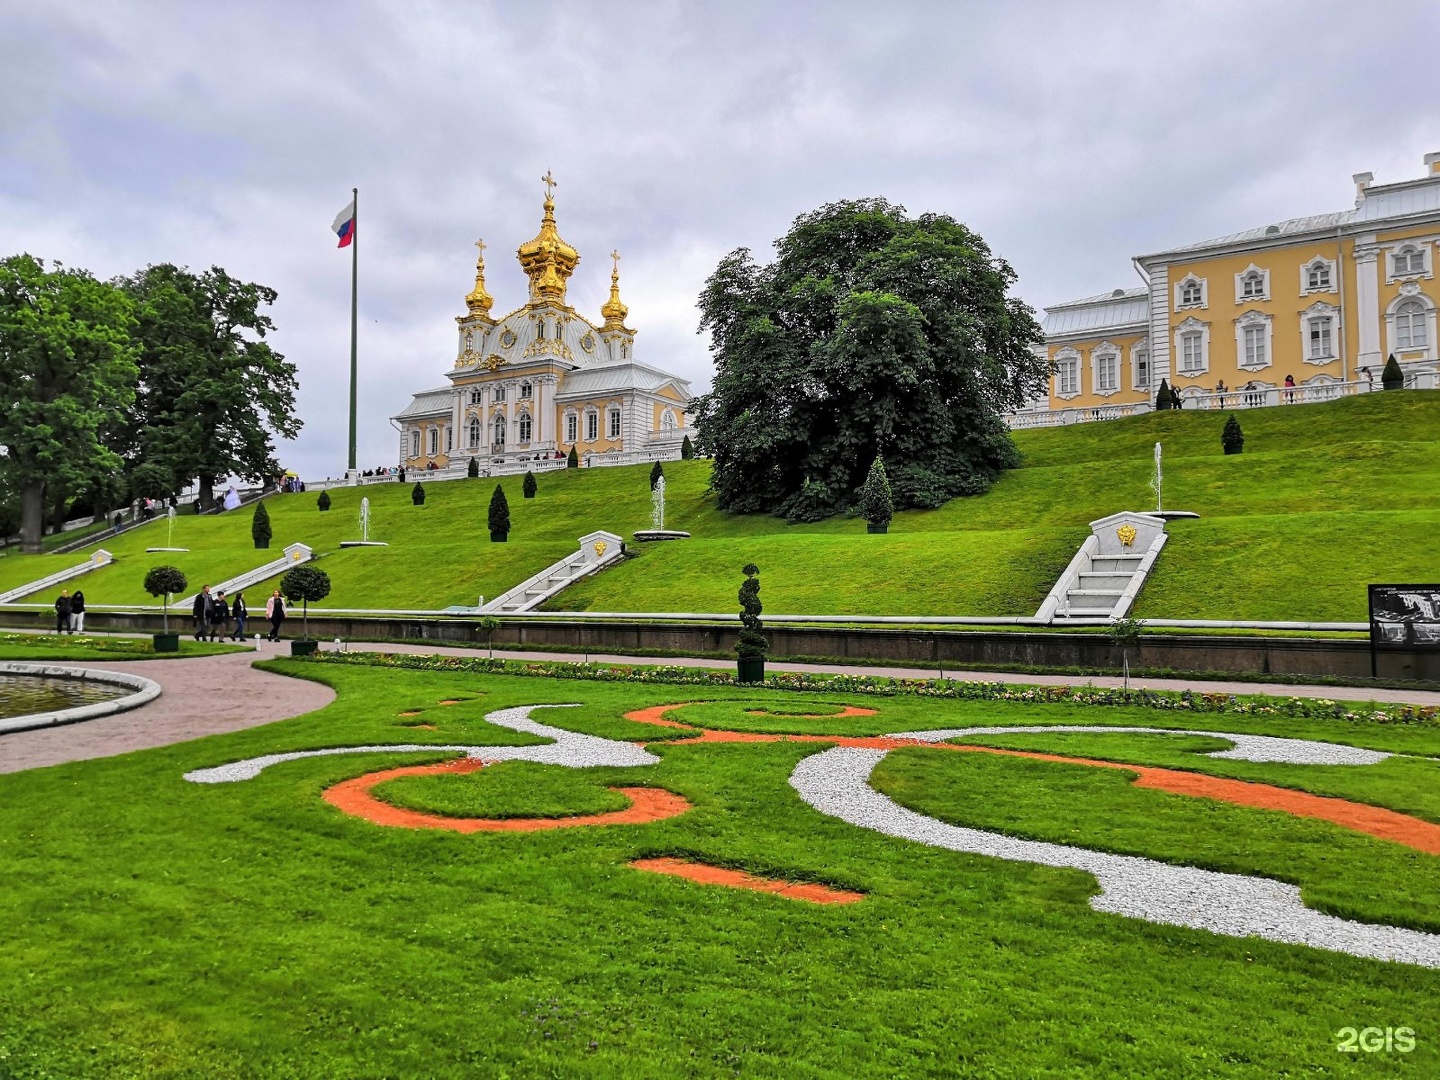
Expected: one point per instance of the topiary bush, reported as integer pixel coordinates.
(165, 581)
(687, 449)
(751, 643)
(417, 494)
(656, 472)
(1232, 438)
(260, 525)
(323, 502)
(877, 506)
(529, 487)
(473, 469)
(572, 459)
(306, 583)
(1392, 378)
(499, 515)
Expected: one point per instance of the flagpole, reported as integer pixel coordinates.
(354, 318)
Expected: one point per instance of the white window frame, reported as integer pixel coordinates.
(1263, 327)
(1423, 248)
(1315, 312)
(1203, 302)
(434, 441)
(499, 426)
(524, 428)
(497, 394)
(1410, 294)
(1250, 273)
(477, 396)
(474, 432)
(449, 438)
(667, 420)
(1067, 363)
(592, 425)
(1330, 271)
(1192, 325)
(572, 427)
(414, 442)
(524, 391)
(1105, 358)
(612, 423)
(1140, 353)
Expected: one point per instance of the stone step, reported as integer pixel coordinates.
(1104, 579)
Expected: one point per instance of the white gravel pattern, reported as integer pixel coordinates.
(836, 782)
(570, 749)
(1246, 748)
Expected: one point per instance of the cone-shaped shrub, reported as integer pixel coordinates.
(1232, 438)
(877, 505)
(572, 459)
(1392, 378)
(655, 474)
(260, 525)
(687, 449)
(473, 469)
(323, 502)
(1162, 396)
(530, 486)
(417, 494)
(499, 512)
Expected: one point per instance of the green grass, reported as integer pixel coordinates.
(1325, 499)
(507, 789)
(82, 647)
(155, 928)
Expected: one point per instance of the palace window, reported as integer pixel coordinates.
(449, 440)
(1142, 369)
(614, 423)
(1410, 325)
(572, 427)
(499, 429)
(1252, 285)
(1317, 276)
(1190, 292)
(1409, 260)
(1254, 347)
(498, 394)
(414, 444)
(1107, 372)
(476, 396)
(592, 426)
(524, 391)
(1067, 377)
(474, 434)
(524, 428)
(1321, 338)
(540, 333)
(667, 421)
(434, 441)
(1192, 352)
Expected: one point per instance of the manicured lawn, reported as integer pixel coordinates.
(81, 648)
(1325, 499)
(151, 927)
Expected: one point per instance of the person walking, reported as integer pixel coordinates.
(238, 613)
(219, 617)
(77, 613)
(201, 612)
(275, 612)
(62, 612)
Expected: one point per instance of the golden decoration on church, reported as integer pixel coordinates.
(477, 300)
(495, 361)
(588, 343)
(599, 549)
(507, 338)
(548, 347)
(1127, 534)
(548, 260)
(613, 310)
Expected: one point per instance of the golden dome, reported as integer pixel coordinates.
(613, 310)
(477, 300)
(548, 260)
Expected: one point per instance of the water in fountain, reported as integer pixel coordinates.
(657, 504)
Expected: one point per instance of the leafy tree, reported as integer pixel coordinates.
(687, 449)
(323, 501)
(1232, 438)
(67, 372)
(871, 332)
(572, 459)
(499, 512)
(487, 625)
(656, 472)
(876, 504)
(1391, 376)
(473, 469)
(165, 581)
(259, 525)
(530, 486)
(751, 642)
(213, 394)
(305, 583)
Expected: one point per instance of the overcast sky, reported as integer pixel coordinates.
(1070, 135)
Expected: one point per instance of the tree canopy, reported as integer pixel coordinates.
(870, 333)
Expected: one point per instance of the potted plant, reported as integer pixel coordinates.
(260, 525)
(1392, 378)
(530, 486)
(473, 469)
(324, 501)
(166, 581)
(572, 459)
(499, 516)
(1232, 438)
(417, 494)
(876, 504)
(687, 449)
(656, 473)
(305, 583)
(751, 645)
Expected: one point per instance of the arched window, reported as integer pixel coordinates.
(1410, 325)
(1190, 293)
(524, 428)
(540, 333)
(667, 421)
(1409, 260)
(474, 433)
(524, 391)
(499, 440)
(1252, 285)
(1317, 276)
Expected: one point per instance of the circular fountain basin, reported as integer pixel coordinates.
(42, 695)
(661, 534)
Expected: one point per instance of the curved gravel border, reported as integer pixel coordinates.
(144, 690)
(836, 783)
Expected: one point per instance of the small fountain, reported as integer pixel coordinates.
(657, 517)
(364, 540)
(169, 533)
(1157, 481)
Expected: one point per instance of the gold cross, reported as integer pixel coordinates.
(481, 245)
(549, 182)
(615, 256)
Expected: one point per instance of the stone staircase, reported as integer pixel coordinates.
(94, 562)
(1107, 573)
(597, 550)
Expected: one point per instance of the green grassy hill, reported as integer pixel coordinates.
(1324, 499)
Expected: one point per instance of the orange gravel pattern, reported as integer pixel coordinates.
(706, 874)
(355, 798)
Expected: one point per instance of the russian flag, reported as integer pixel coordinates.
(345, 225)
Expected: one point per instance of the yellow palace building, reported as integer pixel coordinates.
(1301, 310)
(529, 386)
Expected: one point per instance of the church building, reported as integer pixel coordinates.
(544, 378)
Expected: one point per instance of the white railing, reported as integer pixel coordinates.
(459, 468)
(294, 555)
(1060, 417)
(94, 562)
(597, 550)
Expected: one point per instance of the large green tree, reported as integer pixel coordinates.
(213, 394)
(870, 333)
(67, 373)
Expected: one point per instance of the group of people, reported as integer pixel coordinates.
(288, 485)
(214, 615)
(70, 612)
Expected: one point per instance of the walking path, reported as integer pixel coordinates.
(216, 694)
